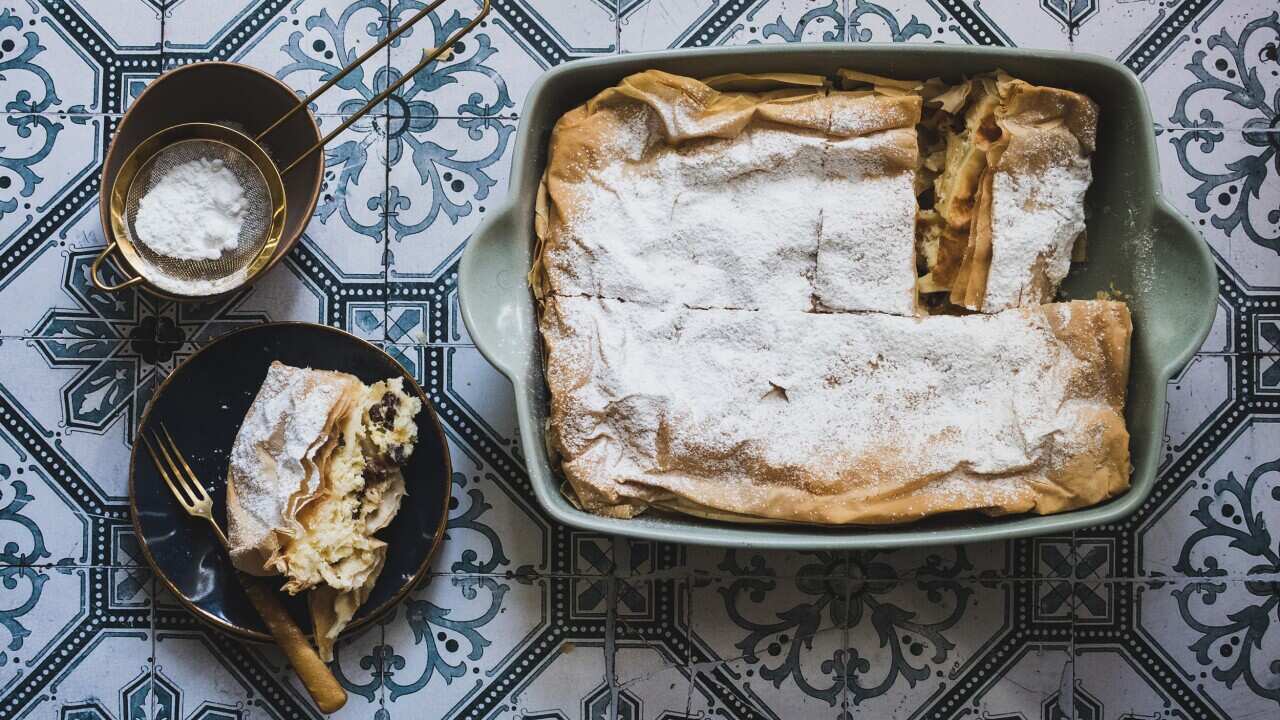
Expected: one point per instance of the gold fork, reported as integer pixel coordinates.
(192, 496)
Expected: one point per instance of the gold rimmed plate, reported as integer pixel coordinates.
(202, 402)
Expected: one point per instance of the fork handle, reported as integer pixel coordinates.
(316, 676)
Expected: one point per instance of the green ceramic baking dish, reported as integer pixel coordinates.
(1138, 245)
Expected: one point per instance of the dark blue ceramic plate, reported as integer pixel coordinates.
(202, 403)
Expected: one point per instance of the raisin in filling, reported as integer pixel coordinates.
(384, 413)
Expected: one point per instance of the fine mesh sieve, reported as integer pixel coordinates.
(254, 230)
(260, 231)
(259, 175)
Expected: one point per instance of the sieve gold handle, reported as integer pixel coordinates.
(428, 58)
(97, 263)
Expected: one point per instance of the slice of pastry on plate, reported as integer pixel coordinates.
(314, 473)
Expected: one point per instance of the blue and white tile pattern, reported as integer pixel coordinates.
(1172, 613)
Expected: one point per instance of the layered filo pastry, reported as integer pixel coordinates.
(837, 418)
(314, 474)
(780, 297)
(1005, 167)
(714, 194)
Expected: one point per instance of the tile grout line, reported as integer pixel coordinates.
(386, 211)
(154, 311)
(472, 345)
(151, 613)
(1143, 580)
(515, 118)
(845, 634)
(381, 667)
(1067, 701)
(385, 118)
(610, 640)
(688, 640)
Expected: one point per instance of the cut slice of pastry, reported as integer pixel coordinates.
(867, 219)
(1009, 196)
(314, 473)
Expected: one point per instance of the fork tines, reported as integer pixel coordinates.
(178, 475)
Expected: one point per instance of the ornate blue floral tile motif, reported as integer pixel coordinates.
(77, 56)
(658, 24)
(517, 42)
(780, 643)
(1219, 71)
(445, 175)
(450, 139)
(653, 687)
(75, 647)
(1169, 613)
(495, 525)
(912, 21)
(938, 633)
(977, 23)
(210, 670)
(1226, 182)
(302, 43)
(663, 23)
(1219, 634)
(43, 157)
(197, 675)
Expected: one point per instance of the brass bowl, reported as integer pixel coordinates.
(223, 92)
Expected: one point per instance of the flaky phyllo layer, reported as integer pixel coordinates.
(1005, 166)
(837, 418)
(315, 473)
(670, 190)
(745, 283)
(335, 545)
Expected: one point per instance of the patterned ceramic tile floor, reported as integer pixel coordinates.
(1173, 613)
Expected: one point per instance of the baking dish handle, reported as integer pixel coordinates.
(496, 303)
(1185, 278)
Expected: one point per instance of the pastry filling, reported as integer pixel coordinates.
(335, 544)
(953, 141)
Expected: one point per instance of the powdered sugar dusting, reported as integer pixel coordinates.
(277, 435)
(736, 223)
(857, 404)
(731, 322)
(1035, 219)
(866, 248)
